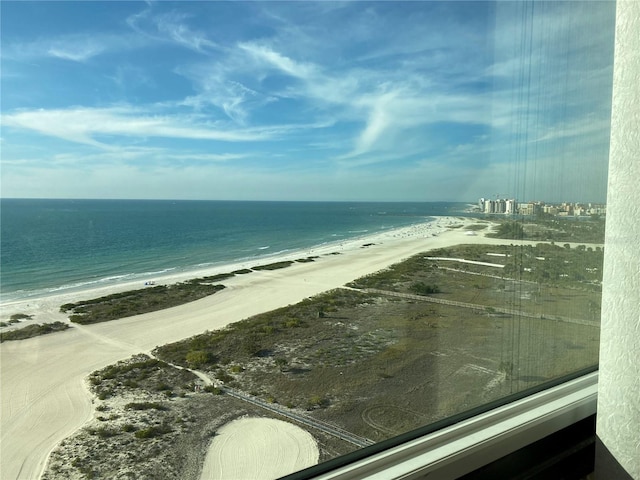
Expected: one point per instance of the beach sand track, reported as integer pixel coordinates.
(259, 448)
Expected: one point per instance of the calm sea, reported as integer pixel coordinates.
(54, 245)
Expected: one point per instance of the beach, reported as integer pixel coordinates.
(44, 397)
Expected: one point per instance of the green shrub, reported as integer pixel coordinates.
(145, 406)
(33, 331)
(152, 432)
(274, 266)
(135, 302)
(420, 288)
(128, 427)
(197, 358)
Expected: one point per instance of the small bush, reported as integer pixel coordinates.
(212, 389)
(242, 271)
(103, 432)
(152, 432)
(197, 358)
(420, 288)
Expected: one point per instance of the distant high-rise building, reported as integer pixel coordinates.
(489, 206)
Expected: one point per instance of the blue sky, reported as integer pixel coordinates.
(385, 101)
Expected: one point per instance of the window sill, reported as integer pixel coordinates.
(466, 446)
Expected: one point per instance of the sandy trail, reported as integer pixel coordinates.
(259, 449)
(43, 397)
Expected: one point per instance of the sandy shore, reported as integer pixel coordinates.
(42, 379)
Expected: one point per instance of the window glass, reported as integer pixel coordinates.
(384, 213)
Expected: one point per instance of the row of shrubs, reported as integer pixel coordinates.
(136, 302)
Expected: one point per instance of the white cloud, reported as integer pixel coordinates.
(280, 62)
(221, 89)
(173, 25)
(85, 125)
(79, 47)
(170, 27)
(76, 52)
(82, 125)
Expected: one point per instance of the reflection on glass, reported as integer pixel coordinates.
(321, 324)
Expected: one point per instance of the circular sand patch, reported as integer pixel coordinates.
(258, 448)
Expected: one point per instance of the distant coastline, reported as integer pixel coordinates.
(65, 246)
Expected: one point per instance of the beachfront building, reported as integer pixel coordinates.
(499, 205)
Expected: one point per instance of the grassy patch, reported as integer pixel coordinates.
(307, 259)
(146, 406)
(242, 271)
(212, 278)
(136, 302)
(154, 431)
(552, 228)
(476, 226)
(274, 266)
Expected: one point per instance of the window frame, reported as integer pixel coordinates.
(466, 442)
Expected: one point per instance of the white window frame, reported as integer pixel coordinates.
(468, 445)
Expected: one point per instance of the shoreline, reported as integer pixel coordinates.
(44, 309)
(43, 378)
(173, 274)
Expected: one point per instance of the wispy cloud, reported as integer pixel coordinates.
(218, 87)
(93, 126)
(279, 61)
(80, 47)
(77, 52)
(170, 27)
(83, 125)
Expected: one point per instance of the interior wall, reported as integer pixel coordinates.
(618, 421)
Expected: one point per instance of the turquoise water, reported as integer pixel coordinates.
(53, 245)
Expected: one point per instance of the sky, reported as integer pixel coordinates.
(336, 101)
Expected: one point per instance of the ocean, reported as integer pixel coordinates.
(49, 246)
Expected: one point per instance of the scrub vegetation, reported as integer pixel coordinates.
(423, 326)
(153, 421)
(33, 331)
(136, 302)
(552, 228)
(410, 345)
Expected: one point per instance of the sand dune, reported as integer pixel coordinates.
(43, 395)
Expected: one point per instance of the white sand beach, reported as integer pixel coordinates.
(44, 398)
